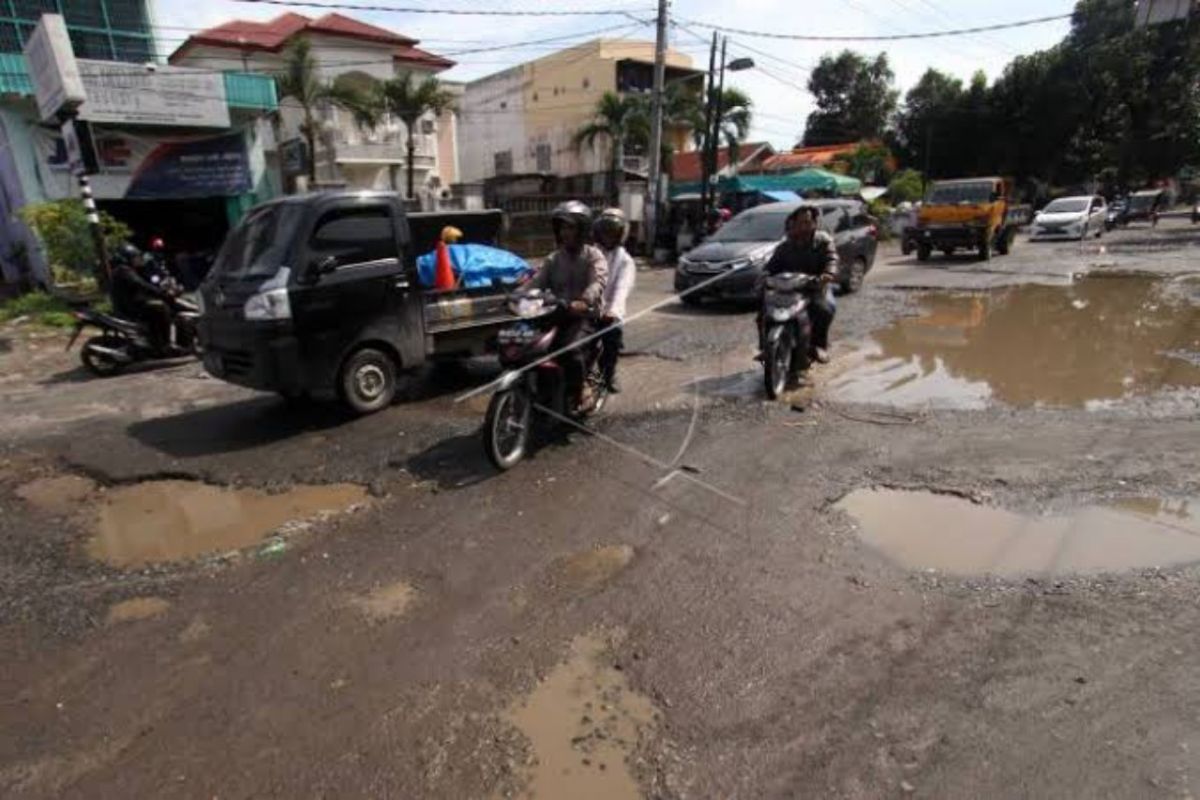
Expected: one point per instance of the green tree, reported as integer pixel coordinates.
(300, 82)
(854, 98)
(66, 235)
(930, 110)
(870, 162)
(620, 120)
(906, 186)
(406, 99)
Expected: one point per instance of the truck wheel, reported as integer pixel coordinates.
(924, 251)
(1004, 243)
(368, 381)
(985, 249)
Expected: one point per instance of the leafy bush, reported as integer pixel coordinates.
(63, 228)
(42, 308)
(906, 186)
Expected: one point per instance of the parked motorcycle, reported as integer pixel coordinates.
(123, 342)
(532, 381)
(787, 330)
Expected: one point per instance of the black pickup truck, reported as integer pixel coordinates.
(318, 293)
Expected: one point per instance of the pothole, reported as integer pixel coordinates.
(591, 569)
(137, 608)
(173, 520)
(1093, 342)
(583, 722)
(923, 530)
(57, 494)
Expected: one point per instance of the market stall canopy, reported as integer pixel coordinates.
(802, 183)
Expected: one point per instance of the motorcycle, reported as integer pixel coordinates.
(787, 330)
(533, 381)
(123, 342)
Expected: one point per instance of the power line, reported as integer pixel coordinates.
(444, 11)
(884, 38)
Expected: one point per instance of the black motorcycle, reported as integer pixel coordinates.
(787, 330)
(533, 381)
(123, 342)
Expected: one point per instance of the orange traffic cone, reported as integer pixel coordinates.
(443, 278)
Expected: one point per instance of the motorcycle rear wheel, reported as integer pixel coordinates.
(506, 428)
(99, 364)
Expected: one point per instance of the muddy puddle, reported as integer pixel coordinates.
(1099, 340)
(923, 530)
(583, 722)
(174, 520)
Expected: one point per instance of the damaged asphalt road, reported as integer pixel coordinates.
(589, 624)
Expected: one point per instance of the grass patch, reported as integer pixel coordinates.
(41, 308)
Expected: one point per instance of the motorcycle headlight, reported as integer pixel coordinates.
(272, 304)
(782, 314)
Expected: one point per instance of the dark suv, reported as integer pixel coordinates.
(747, 241)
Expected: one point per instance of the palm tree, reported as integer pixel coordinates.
(736, 115)
(300, 81)
(407, 100)
(620, 120)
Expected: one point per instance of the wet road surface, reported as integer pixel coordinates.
(741, 623)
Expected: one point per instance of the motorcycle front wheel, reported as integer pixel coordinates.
(506, 428)
(776, 363)
(99, 363)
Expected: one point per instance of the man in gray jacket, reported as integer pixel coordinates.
(809, 251)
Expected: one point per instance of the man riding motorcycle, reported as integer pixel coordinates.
(576, 274)
(610, 230)
(809, 251)
(137, 295)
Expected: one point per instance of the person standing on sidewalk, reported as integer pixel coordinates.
(610, 230)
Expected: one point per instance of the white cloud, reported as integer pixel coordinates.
(782, 107)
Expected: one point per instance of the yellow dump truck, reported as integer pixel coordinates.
(966, 214)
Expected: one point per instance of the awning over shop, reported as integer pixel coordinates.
(802, 183)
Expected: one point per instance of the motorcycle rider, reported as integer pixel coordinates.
(809, 251)
(610, 231)
(575, 273)
(136, 296)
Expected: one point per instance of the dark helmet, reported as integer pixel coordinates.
(611, 220)
(126, 254)
(573, 213)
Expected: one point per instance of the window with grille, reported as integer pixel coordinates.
(89, 13)
(543, 154)
(503, 162)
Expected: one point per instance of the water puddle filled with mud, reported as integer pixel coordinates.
(923, 530)
(1098, 340)
(583, 722)
(174, 520)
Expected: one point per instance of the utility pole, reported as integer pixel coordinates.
(715, 132)
(708, 115)
(656, 131)
(928, 150)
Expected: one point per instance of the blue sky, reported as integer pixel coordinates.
(776, 86)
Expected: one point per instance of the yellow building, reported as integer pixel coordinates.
(524, 120)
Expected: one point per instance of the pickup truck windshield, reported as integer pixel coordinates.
(257, 247)
(752, 228)
(950, 194)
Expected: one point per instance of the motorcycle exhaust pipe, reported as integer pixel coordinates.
(117, 355)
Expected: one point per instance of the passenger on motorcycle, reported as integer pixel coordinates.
(575, 273)
(809, 251)
(610, 230)
(136, 296)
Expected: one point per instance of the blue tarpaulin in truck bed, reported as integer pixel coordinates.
(476, 265)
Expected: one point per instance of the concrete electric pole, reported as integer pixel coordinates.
(654, 183)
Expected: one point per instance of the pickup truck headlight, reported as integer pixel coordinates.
(272, 304)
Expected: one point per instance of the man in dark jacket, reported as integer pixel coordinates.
(137, 297)
(810, 251)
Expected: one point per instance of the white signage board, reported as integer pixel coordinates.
(1160, 12)
(132, 94)
(52, 67)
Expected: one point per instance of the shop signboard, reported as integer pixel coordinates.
(134, 94)
(57, 84)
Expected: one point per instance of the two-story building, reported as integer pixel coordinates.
(524, 120)
(346, 154)
(179, 152)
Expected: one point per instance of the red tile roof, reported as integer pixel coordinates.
(275, 34)
(685, 167)
(805, 157)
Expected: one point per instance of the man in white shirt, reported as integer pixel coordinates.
(610, 230)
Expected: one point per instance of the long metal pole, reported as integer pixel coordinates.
(708, 115)
(103, 271)
(656, 138)
(716, 125)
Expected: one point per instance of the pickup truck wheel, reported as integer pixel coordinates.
(368, 381)
(924, 251)
(985, 249)
(1004, 243)
(856, 272)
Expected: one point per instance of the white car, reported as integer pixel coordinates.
(1070, 218)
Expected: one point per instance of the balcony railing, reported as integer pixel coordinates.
(383, 152)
